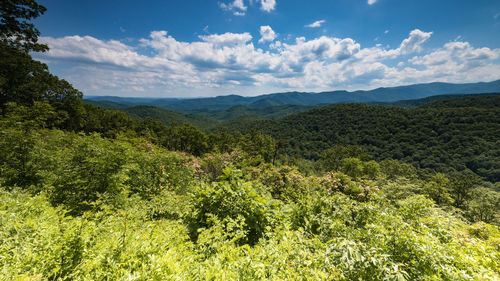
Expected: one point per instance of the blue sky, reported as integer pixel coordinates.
(249, 47)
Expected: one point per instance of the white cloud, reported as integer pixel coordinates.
(317, 23)
(90, 49)
(461, 54)
(230, 63)
(386, 31)
(371, 2)
(237, 7)
(323, 48)
(413, 43)
(268, 5)
(237, 4)
(226, 39)
(267, 34)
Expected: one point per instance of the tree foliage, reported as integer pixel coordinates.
(15, 27)
(440, 139)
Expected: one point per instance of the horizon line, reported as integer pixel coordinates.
(294, 91)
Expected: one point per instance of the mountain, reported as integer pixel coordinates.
(204, 105)
(106, 104)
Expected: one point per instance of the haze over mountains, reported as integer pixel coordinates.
(392, 94)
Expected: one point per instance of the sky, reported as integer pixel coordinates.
(195, 48)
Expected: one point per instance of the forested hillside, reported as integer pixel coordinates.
(88, 193)
(443, 136)
(168, 117)
(432, 99)
(207, 120)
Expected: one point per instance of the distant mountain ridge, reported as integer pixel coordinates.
(392, 94)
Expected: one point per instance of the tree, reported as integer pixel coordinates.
(332, 157)
(15, 29)
(187, 138)
(222, 141)
(352, 167)
(40, 115)
(393, 169)
(462, 186)
(24, 80)
(257, 144)
(438, 189)
(371, 169)
(485, 205)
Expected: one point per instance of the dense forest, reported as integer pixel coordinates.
(342, 192)
(449, 135)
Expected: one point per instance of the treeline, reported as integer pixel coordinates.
(89, 119)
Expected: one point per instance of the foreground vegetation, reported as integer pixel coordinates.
(90, 208)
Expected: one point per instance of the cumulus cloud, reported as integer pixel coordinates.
(230, 62)
(226, 39)
(268, 5)
(371, 2)
(267, 34)
(458, 53)
(317, 23)
(323, 48)
(90, 49)
(414, 42)
(237, 7)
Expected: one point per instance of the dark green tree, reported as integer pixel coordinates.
(222, 140)
(24, 80)
(438, 189)
(186, 138)
(485, 205)
(352, 167)
(462, 186)
(16, 30)
(257, 144)
(332, 157)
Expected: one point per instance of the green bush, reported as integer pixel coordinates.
(361, 190)
(230, 200)
(284, 182)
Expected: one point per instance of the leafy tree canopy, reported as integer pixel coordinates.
(15, 27)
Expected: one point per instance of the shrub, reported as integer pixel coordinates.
(230, 200)
(284, 183)
(361, 190)
(213, 164)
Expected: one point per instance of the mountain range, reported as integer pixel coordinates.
(219, 103)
